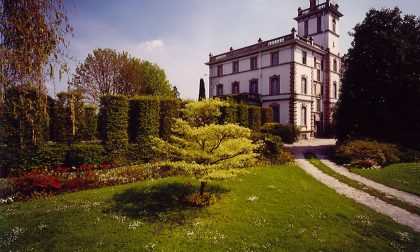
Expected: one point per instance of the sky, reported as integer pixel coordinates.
(178, 35)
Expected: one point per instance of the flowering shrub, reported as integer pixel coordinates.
(366, 163)
(36, 182)
(83, 181)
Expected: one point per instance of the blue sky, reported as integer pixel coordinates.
(178, 35)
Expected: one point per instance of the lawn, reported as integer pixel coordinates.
(270, 208)
(403, 176)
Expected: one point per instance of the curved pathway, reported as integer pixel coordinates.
(318, 146)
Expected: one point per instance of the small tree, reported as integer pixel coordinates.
(202, 91)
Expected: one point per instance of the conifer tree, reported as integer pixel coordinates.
(202, 91)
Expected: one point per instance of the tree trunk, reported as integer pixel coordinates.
(203, 185)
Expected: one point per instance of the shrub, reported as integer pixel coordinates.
(85, 154)
(229, 114)
(197, 200)
(242, 115)
(272, 149)
(266, 115)
(169, 110)
(355, 150)
(49, 156)
(113, 124)
(68, 118)
(254, 117)
(144, 123)
(83, 181)
(34, 181)
(88, 131)
(287, 132)
(285, 157)
(367, 163)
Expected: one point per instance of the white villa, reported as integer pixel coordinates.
(297, 75)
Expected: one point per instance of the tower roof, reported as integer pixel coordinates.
(315, 9)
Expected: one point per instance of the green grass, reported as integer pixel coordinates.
(403, 176)
(290, 211)
(355, 184)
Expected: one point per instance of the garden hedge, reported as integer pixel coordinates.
(242, 114)
(85, 154)
(88, 132)
(287, 132)
(144, 123)
(68, 117)
(113, 124)
(254, 117)
(169, 110)
(229, 114)
(266, 115)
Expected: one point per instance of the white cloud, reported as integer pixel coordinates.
(151, 45)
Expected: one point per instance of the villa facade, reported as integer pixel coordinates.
(297, 75)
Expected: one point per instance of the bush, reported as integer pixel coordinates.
(169, 110)
(83, 181)
(68, 118)
(242, 115)
(85, 154)
(34, 181)
(356, 150)
(144, 123)
(229, 114)
(49, 156)
(88, 131)
(113, 124)
(254, 117)
(288, 133)
(197, 200)
(272, 149)
(266, 115)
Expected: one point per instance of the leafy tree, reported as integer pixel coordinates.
(381, 85)
(202, 91)
(107, 71)
(32, 35)
(203, 112)
(205, 149)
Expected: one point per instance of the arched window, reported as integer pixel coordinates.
(253, 86)
(275, 85)
(235, 87)
(304, 86)
(219, 90)
(334, 26)
(303, 116)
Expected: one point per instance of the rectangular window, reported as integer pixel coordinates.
(235, 67)
(318, 24)
(334, 26)
(335, 65)
(274, 58)
(253, 86)
(305, 31)
(304, 55)
(318, 105)
(276, 113)
(304, 86)
(220, 70)
(322, 64)
(304, 116)
(318, 75)
(275, 85)
(219, 90)
(253, 63)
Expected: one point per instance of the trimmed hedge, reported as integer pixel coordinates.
(68, 118)
(266, 115)
(242, 114)
(88, 132)
(113, 124)
(287, 132)
(85, 154)
(169, 110)
(49, 156)
(229, 114)
(144, 122)
(254, 117)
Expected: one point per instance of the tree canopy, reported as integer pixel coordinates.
(107, 71)
(381, 86)
(32, 40)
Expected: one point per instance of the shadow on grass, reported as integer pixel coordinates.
(160, 202)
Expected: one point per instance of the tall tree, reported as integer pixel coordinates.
(381, 85)
(107, 71)
(202, 91)
(32, 36)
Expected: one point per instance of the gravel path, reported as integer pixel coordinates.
(318, 145)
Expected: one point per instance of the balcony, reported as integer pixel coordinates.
(320, 7)
(252, 99)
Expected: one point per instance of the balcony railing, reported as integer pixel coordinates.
(322, 6)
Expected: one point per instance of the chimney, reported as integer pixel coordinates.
(312, 4)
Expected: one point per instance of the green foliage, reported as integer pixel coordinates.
(169, 110)
(271, 149)
(254, 117)
(198, 200)
(144, 122)
(287, 132)
(382, 79)
(88, 131)
(49, 156)
(204, 112)
(113, 124)
(23, 127)
(229, 113)
(202, 91)
(266, 115)
(243, 115)
(85, 154)
(68, 120)
(356, 150)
